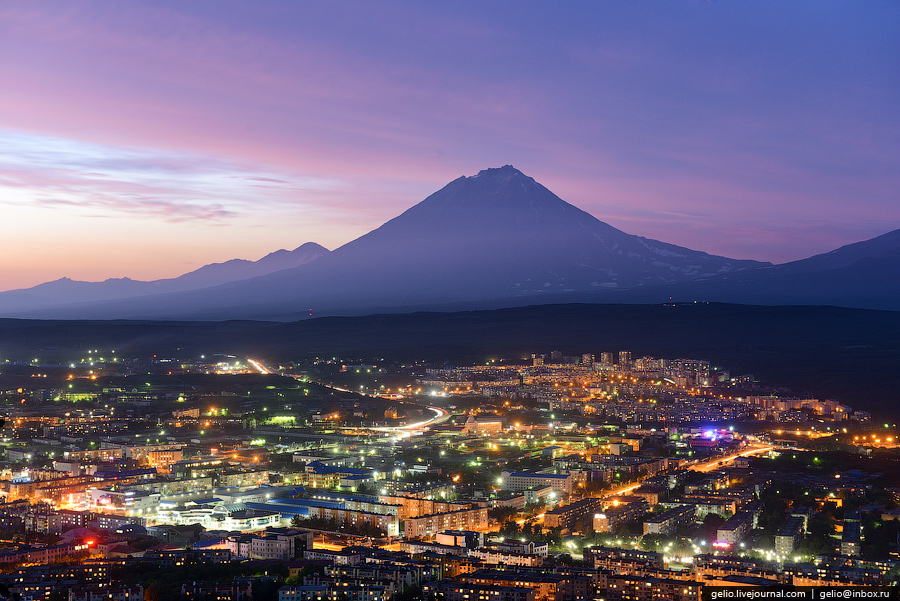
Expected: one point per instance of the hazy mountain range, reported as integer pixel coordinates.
(65, 290)
(498, 238)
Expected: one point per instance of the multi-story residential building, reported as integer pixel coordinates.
(401, 488)
(344, 592)
(95, 455)
(429, 525)
(546, 586)
(318, 475)
(235, 591)
(163, 459)
(627, 587)
(710, 567)
(507, 558)
(57, 521)
(574, 516)
(239, 544)
(280, 543)
(107, 593)
(650, 493)
(389, 524)
(735, 528)
(404, 577)
(526, 547)
(460, 538)
(851, 538)
(616, 515)
(303, 592)
(517, 481)
(669, 521)
(111, 522)
(461, 591)
(243, 478)
(344, 557)
(42, 555)
(372, 589)
(630, 560)
(789, 536)
(831, 575)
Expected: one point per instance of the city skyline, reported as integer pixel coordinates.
(590, 473)
(148, 140)
(399, 301)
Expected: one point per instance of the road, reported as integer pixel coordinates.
(714, 464)
(407, 430)
(258, 366)
(539, 519)
(441, 415)
(621, 491)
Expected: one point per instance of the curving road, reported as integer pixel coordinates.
(441, 415)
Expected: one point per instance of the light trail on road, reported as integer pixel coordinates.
(622, 490)
(407, 430)
(716, 463)
(538, 519)
(404, 431)
(258, 366)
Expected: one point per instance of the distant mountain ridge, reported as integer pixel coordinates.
(497, 238)
(862, 275)
(71, 291)
(241, 269)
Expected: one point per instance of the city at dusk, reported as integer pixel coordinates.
(307, 301)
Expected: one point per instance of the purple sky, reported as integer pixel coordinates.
(145, 139)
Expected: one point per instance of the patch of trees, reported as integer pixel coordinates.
(331, 525)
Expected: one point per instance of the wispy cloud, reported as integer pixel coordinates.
(55, 173)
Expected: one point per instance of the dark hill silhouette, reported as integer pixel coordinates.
(850, 355)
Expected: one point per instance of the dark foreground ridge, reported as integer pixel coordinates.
(850, 355)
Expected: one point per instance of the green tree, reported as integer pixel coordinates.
(820, 525)
(815, 544)
(509, 528)
(501, 514)
(410, 594)
(711, 523)
(554, 535)
(153, 591)
(279, 571)
(653, 541)
(265, 590)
